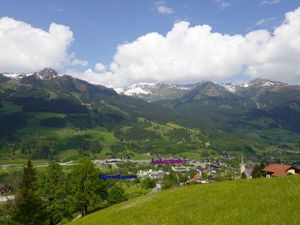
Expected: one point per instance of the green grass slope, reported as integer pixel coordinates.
(273, 201)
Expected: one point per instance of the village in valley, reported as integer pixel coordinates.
(159, 172)
(227, 167)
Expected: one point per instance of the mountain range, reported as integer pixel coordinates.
(217, 103)
(47, 91)
(261, 111)
(160, 91)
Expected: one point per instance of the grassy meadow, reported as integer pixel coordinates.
(263, 201)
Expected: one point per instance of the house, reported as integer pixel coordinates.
(215, 166)
(108, 162)
(156, 188)
(280, 170)
(296, 165)
(180, 169)
(153, 174)
(195, 178)
(114, 161)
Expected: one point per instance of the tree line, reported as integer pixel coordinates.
(54, 195)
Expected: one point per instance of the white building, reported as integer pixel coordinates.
(180, 169)
(153, 174)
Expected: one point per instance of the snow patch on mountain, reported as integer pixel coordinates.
(16, 75)
(183, 86)
(136, 90)
(151, 88)
(229, 87)
(46, 74)
(268, 83)
(141, 89)
(245, 85)
(11, 75)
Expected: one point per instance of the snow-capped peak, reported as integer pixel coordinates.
(245, 85)
(135, 90)
(46, 74)
(144, 88)
(268, 83)
(229, 87)
(11, 75)
(141, 88)
(16, 75)
(258, 82)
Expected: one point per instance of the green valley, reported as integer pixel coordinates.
(151, 112)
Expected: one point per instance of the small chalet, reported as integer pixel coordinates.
(195, 179)
(280, 170)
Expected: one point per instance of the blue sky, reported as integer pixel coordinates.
(100, 26)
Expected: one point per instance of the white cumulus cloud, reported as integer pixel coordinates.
(194, 53)
(25, 48)
(99, 67)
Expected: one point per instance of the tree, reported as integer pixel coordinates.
(41, 153)
(52, 187)
(169, 181)
(84, 184)
(116, 194)
(258, 170)
(148, 183)
(13, 149)
(95, 147)
(204, 175)
(27, 146)
(243, 176)
(117, 148)
(102, 189)
(110, 168)
(6, 212)
(28, 206)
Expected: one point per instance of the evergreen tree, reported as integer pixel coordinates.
(28, 206)
(262, 166)
(27, 146)
(256, 173)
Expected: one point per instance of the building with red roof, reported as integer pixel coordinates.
(280, 170)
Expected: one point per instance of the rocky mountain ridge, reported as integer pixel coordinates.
(160, 91)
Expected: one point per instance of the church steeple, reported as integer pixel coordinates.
(242, 166)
